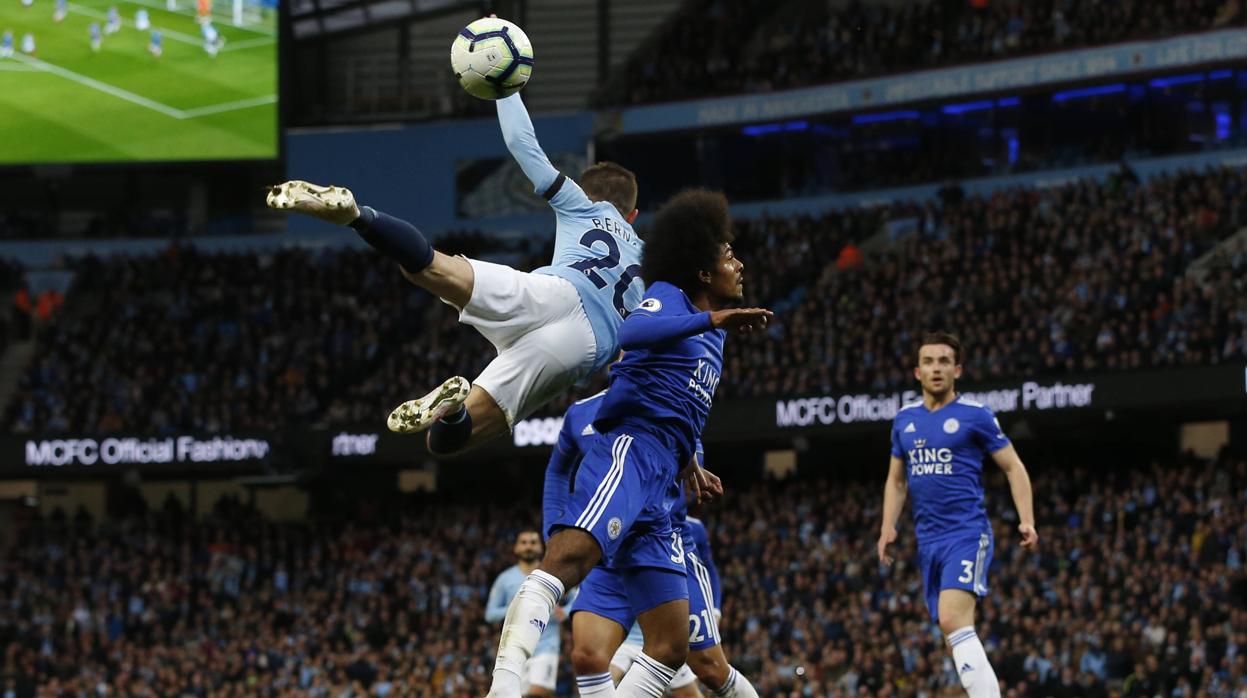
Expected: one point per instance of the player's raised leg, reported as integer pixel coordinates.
(448, 278)
(570, 555)
(622, 479)
(459, 411)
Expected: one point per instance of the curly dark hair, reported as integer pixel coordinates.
(686, 238)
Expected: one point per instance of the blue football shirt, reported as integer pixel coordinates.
(943, 454)
(669, 386)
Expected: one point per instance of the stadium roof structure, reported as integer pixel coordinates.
(315, 18)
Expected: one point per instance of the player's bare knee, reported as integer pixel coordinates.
(669, 651)
(590, 660)
(947, 626)
(449, 278)
(955, 620)
(710, 667)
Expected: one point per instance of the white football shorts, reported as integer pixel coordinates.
(538, 325)
(540, 671)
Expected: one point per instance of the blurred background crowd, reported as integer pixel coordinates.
(1138, 589)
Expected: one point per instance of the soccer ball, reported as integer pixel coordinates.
(492, 58)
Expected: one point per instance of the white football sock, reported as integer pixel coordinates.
(526, 619)
(737, 686)
(977, 675)
(597, 685)
(646, 679)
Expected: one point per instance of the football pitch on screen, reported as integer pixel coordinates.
(65, 102)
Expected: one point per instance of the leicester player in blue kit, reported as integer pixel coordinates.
(649, 421)
(938, 446)
(707, 660)
(552, 328)
(602, 611)
(540, 676)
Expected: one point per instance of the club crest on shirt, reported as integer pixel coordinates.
(614, 527)
(951, 425)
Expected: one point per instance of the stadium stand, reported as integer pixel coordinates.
(1087, 276)
(1139, 589)
(14, 324)
(716, 48)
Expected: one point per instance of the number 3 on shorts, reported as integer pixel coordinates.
(967, 571)
(677, 548)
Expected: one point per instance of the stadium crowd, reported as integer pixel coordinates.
(1083, 277)
(220, 341)
(1138, 587)
(14, 325)
(714, 48)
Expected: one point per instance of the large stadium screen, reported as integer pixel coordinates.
(137, 80)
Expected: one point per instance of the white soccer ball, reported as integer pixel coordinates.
(492, 58)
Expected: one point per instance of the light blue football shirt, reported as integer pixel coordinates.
(594, 247)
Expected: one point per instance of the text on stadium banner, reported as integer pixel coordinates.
(345, 444)
(849, 409)
(129, 450)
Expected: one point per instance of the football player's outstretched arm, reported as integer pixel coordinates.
(1020, 485)
(643, 329)
(521, 140)
(894, 493)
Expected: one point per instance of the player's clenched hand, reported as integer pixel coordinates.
(696, 483)
(714, 487)
(741, 320)
(1030, 537)
(886, 538)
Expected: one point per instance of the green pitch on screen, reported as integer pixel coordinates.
(66, 103)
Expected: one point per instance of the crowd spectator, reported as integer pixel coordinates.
(1084, 277)
(715, 47)
(1138, 587)
(14, 324)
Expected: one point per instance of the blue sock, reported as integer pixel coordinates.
(395, 238)
(451, 433)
